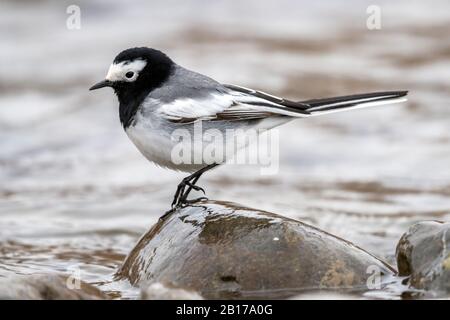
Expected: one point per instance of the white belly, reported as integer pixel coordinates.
(162, 146)
(157, 147)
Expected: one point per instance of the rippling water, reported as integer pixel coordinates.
(75, 193)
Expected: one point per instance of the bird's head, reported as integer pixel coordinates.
(136, 70)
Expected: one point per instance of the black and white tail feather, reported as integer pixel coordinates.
(356, 101)
(323, 106)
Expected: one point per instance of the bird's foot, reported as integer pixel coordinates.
(181, 205)
(180, 197)
(193, 186)
(192, 201)
(181, 194)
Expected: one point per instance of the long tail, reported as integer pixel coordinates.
(336, 104)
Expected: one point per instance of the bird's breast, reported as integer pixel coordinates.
(157, 144)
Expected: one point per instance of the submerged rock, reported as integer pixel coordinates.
(223, 250)
(46, 287)
(423, 254)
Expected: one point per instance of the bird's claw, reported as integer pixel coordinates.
(195, 187)
(181, 194)
(192, 201)
(180, 197)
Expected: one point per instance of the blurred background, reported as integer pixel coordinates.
(76, 194)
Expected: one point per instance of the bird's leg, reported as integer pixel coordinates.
(181, 194)
(191, 185)
(181, 187)
(190, 182)
(180, 190)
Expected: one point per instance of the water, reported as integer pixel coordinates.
(75, 194)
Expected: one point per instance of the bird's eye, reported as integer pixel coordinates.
(129, 74)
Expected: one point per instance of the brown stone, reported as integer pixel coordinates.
(46, 287)
(224, 250)
(423, 255)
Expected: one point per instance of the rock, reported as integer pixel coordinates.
(158, 291)
(223, 250)
(46, 287)
(423, 254)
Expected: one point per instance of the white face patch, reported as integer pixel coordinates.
(125, 70)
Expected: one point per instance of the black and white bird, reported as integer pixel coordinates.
(158, 96)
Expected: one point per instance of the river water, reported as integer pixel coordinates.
(75, 194)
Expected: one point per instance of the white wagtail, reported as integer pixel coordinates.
(157, 96)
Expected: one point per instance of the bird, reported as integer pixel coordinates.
(158, 97)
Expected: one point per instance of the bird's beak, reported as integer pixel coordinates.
(101, 84)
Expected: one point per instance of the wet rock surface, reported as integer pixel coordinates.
(423, 255)
(223, 250)
(46, 287)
